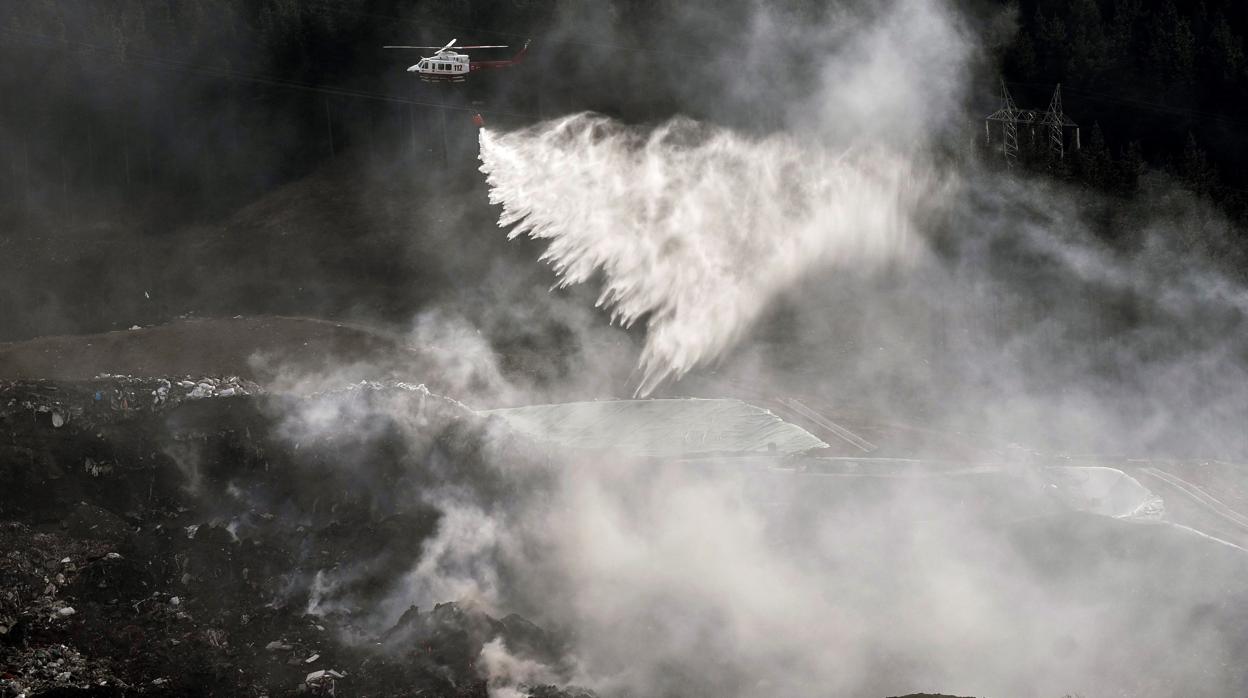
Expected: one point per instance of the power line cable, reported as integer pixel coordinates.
(1158, 107)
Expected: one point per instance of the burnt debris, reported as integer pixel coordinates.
(176, 537)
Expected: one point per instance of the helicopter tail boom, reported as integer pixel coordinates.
(514, 60)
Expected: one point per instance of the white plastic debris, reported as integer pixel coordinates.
(66, 612)
(161, 393)
(201, 390)
(278, 646)
(113, 556)
(58, 420)
(311, 659)
(174, 601)
(322, 682)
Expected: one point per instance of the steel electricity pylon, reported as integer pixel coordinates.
(1011, 118)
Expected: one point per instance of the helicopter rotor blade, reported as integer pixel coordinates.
(440, 49)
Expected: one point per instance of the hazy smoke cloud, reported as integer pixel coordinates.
(507, 674)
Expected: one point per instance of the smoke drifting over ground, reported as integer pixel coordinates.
(722, 578)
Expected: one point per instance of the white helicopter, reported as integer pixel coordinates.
(446, 65)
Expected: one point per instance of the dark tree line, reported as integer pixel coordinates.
(190, 101)
(172, 110)
(1152, 81)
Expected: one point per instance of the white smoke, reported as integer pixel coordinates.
(507, 674)
(459, 562)
(695, 229)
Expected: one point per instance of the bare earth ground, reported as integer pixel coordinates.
(261, 349)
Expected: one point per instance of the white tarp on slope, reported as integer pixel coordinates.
(664, 428)
(1105, 491)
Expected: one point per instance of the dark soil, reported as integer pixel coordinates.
(156, 543)
(254, 347)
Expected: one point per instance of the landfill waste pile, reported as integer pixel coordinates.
(172, 537)
(214, 536)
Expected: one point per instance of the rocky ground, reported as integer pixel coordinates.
(169, 536)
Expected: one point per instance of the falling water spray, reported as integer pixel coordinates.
(694, 228)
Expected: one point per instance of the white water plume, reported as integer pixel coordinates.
(696, 228)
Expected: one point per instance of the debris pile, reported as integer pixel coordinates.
(173, 537)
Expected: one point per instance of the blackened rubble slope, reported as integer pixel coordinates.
(165, 536)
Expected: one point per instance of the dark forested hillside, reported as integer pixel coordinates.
(1151, 80)
(125, 122)
(126, 125)
(215, 101)
(194, 106)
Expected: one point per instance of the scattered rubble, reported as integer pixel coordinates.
(323, 682)
(164, 537)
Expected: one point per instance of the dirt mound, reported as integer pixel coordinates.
(261, 349)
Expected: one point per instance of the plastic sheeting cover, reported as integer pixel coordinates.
(1105, 491)
(662, 428)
